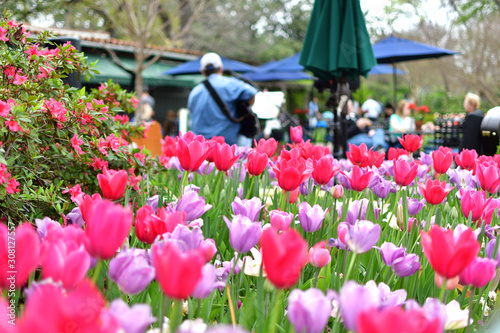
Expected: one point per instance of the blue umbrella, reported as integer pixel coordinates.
(392, 50)
(193, 67)
(384, 69)
(289, 64)
(277, 76)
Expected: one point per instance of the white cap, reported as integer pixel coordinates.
(210, 61)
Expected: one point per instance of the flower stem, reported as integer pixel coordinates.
(250, 190)
(97, 271)
(351, 265)
(442, 293)
(471, 299)
(316, 277)
(176, 316)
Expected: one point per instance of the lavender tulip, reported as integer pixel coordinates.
(132, 320)
(344, 181)
(131, 271)
(75, 217)
(311, 218)
(353, 299)
(207, 283)
(191, 203)
(206, 168)
(414, 205)
(41, 226)
(356, 211)
(309, 311)
(426, 159)
(381, 188)
(249, 208)
(388, 298)
(422, 171)
(462, 178)
(243, 233)
(185, 238)
(305, 189)
(153, 202)
(362, 236)
(401, 263)
(490, 248)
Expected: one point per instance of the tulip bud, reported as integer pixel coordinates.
(206, 191)
(338, 191)
(454, 213)
(399, 217)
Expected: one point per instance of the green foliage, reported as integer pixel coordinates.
(54, 136)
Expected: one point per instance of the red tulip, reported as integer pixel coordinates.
(191, 154)
(434, 191)
(112, 183)
(85, 201)
(63, 256)
(489, 176)
(479, 273)
(466, 159)
(359, 180)
(52, 309)
(474, 202)
(447, 255)
(224, 156)
(394, 153)
(257, 162)
(411, 142)
(309, 150)
(168, 146)
(177, 273)
(291, 173)
(296, 134)
(266, 146)
(107, 226)
(404, 172)
(357, 154)
(292, 195)
(396, 320)
(374, 158)
(283, 256)
(21, 260)
(324, 170)
(149, 225)
(442, 159)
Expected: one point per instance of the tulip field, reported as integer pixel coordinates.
(228, 239)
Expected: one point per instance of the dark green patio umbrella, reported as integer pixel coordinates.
(337, 47)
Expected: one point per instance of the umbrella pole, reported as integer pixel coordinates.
(395, 81)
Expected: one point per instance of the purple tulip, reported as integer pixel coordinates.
(206, 168)
(414, 205)
(238, 169)
(243, 233)
(304, 188)
(249, 208)
(381, 188)
(362, 236)
(353, 299)
(388, 167)
(280, 220)
(356, 211)
(344, 181)
(490, 248)
(185, 238)
(41, 226)
(207, 283)
(311, 218)
(388, 298)
(462, 178)
(132, 320)
(422, 171)
(191, 203)
(131, 271)
(76, 217)
(426, 159)
(401, 263)
(153, 202)
(309, 311)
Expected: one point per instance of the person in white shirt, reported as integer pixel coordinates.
(372, 108)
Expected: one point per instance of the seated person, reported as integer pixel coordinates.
(359, 131)
(401, 122)
(471, 137)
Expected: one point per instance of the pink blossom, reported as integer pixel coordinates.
(3, 33)
(12, 186)
(13, 126)
(4, 175)
(99, 164)
(102, 87)
(76, 143)
(5, 108)
(20, 79)
(134, 101)
(75, 191)
(56, 109)
(140, 156)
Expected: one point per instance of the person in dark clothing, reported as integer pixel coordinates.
(359, 131)
(471, 134)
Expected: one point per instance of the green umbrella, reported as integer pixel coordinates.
(337, 41)
(337, 46)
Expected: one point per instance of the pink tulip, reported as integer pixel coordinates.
(474, 202)
(19, 253)
(296, 134)
(112, 183)
(319, 255)
(479, 273)
(63, 256)
(107, 227)
(489, 176)
(359, 180)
